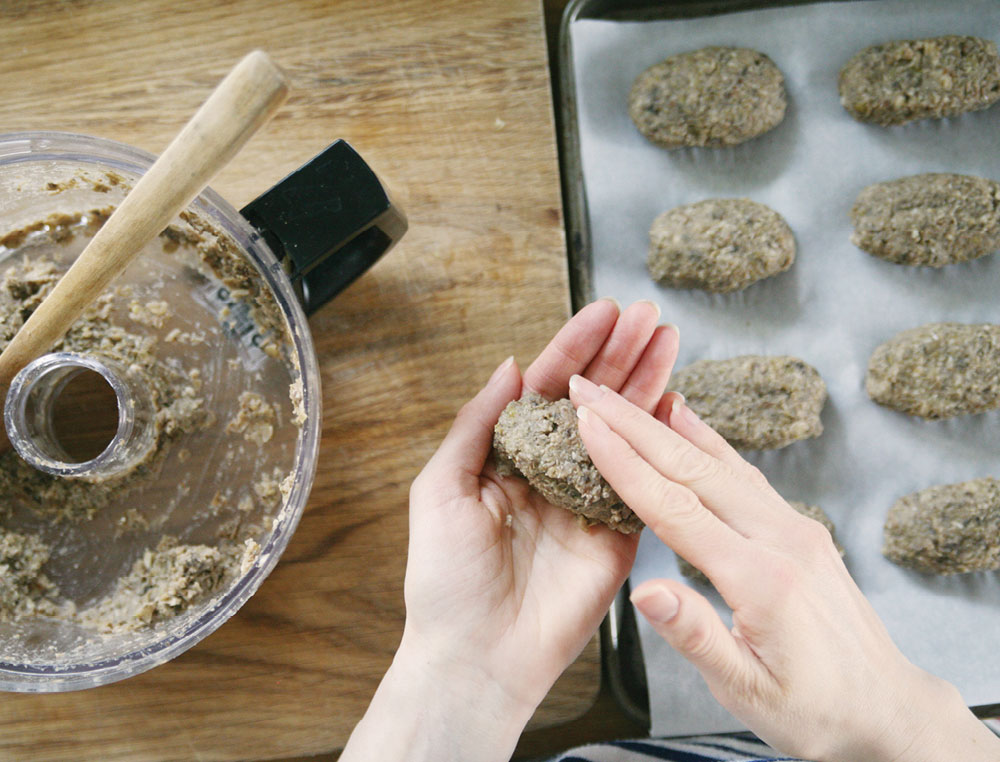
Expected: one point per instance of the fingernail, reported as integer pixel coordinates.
(589, 418)
(674, 327)
(684, 412)
(585, 391)
(675, 407)
(658, 604)
(655, 306)
(501, 368)
(611, 299)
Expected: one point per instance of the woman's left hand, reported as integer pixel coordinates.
(503, 590)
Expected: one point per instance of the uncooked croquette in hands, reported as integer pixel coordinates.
(541, 441)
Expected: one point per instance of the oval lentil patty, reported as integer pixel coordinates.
(715, 96)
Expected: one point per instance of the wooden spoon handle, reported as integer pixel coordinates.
(241, 104)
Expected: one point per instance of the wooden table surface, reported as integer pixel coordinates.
(449, 101)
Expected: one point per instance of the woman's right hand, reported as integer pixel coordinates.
(807, 665)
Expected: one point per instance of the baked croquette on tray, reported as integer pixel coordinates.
(719, 245)
(900, 81)
(755, 402)
(832, 308)
(947, 529)
(715, 96)
(933, 219)
(939, 370)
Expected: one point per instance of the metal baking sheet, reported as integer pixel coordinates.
(832, 309)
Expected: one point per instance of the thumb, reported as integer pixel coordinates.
(687, 621)
(460, 458)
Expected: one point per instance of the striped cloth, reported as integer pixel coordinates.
(729, 748)
(743, 747)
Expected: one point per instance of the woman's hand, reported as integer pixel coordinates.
(807, 664)
(503, 590)
(521, 601)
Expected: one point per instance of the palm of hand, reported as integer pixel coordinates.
(512, 584)
(530, 593)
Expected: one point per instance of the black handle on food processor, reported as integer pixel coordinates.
(328, 221)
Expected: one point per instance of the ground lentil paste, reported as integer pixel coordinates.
(169, 576)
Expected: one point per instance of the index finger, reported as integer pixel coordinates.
(729, 494)
(672, 511)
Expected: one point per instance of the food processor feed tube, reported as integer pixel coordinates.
(126, 556)
(31, 405)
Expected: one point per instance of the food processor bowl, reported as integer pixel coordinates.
(209, 323)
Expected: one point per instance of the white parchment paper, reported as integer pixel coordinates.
(832, 308)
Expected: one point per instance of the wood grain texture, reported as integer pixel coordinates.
(449, 101)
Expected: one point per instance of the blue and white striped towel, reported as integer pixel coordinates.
(729, 748)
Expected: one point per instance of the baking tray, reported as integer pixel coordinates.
(623, 664)
(574, 194)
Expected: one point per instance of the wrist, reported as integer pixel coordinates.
(934, 723)
(426, 708)
(947, 729)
